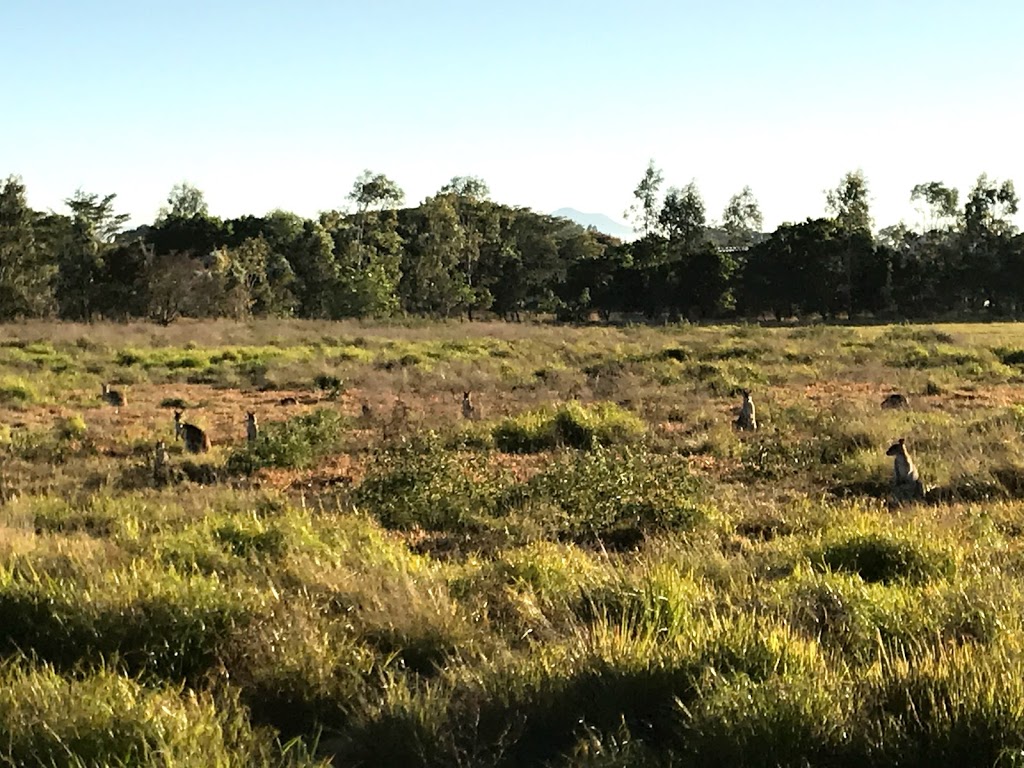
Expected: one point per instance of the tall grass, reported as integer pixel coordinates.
(599, 571)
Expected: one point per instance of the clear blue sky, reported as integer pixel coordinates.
(561, 103)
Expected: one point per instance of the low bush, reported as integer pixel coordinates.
(419, 484)
(885, 558)
(296, 443)
(15, 390)
(72, 427)
(571, 425)
(610, 496)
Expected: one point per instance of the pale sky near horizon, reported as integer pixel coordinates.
(267, 105)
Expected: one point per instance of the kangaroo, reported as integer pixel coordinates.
(366, 412)
(468, 409)
(748, 415)
(906, 480)
(251, 427)
(114, 397)
(196, 440)
(896, 400)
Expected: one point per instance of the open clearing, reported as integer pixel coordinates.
(598, 570)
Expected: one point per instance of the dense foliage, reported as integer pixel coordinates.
(459, 253)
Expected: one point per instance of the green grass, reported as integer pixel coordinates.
(569, 425)
(295, 443)
(599, 571)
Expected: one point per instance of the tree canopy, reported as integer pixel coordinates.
(462, 253)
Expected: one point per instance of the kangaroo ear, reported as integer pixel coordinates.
(901, 441)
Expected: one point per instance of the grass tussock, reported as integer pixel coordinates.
(570, 425)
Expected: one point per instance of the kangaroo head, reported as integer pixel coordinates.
(896, 448)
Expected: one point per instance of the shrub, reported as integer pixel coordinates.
(964, 706)
(418, 483)
(678, 354)
(570, 425)
(883, 558)
(1009, 356)
(72, 427)
(295, 443)
(15, 390)
(327, 383)
(611, 496)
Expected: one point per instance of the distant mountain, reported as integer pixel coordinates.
(598, 221)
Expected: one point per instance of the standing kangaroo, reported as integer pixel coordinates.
(748, 416)
(114, 397)
(906, 481)
(196, 440)
(251, 427)
(468, 409)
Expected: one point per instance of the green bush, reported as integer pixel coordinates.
(883, 558)
(963, 707)
(571, 425)
(611, 496)
(72, 427)
(14, 390)
(419, 484)
(296, 443)
(175, 402)
(780, 721)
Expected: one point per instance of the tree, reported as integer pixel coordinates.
(184, 202)
(742, 219)
(987, 230)
(937, 204)
(179, 285)
(849, 206)
(848, 203)
(989, 207)
(256, 279)
(432, 281)
(185, 225)
(87, 238)
(312, 259)
(683, 216)
(471, 187)
(375, 191)
(367, 263)
(798, 270)
(644, 211)
(25, 272)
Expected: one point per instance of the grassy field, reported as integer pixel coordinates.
(599, 570)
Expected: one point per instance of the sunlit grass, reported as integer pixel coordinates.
(598, 570)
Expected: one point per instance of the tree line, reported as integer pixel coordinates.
(459, 253)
